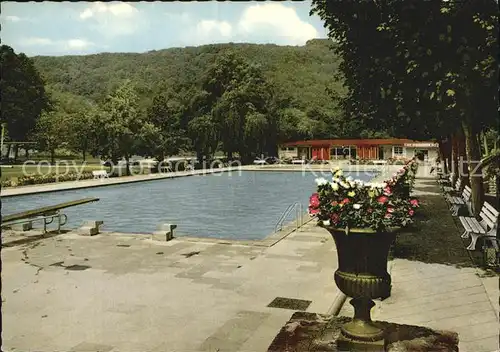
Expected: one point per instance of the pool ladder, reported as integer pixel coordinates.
(298, 210)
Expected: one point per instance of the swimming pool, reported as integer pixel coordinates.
(238, 205)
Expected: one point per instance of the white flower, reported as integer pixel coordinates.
(349, 178)
(335, 186)
(345, 185)
(357, 206)
(321, 181)
(326, 222)
(359, 182)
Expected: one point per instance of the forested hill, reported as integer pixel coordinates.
(302, 72)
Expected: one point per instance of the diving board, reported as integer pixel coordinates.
(45, 211)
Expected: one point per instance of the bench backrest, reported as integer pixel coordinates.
(466, 193)
(489, 215)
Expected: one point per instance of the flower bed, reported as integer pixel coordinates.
(41, 179)
(348, 203)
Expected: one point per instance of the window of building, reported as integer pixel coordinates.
(398, 150)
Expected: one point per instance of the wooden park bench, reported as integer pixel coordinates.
(99, 174)
(457, 202)
(485, 227)
(453, 190)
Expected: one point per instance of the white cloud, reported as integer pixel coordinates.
(12, 18)
(75, 44)
(281, 22)
(114, 18)
(271, 22)
(211, 28)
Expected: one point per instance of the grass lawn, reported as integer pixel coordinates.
(434, 237)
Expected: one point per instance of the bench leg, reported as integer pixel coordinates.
(472, 245)
(465, 234)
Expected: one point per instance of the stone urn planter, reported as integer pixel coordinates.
(362, 274)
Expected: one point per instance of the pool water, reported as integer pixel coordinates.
(237, 205)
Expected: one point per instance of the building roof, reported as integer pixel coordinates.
(357, 142)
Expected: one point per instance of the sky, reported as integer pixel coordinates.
(80, 28)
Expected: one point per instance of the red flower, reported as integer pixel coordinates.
(334, 217)
(382, 199)
(335, 203)
(411, 212)
(345, 201)
(314, 200)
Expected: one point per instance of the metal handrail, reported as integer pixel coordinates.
(294, 206)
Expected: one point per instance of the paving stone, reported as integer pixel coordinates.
(489, 344)
(91, 347)
(430, 315)
(430, 306)
(235, 332)
(465, 320)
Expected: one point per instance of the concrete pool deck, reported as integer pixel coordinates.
(141, 295)
(322, 170)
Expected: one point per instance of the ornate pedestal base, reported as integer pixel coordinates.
(314, 332)
(346, 344)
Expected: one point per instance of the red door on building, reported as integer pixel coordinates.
(320, 153)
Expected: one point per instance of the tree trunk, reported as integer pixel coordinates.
(9, 146)
(454, 158)
(16, 151)
(462, 158)
(127, 165)
(52, 156)
(485, 143)
(475, 173)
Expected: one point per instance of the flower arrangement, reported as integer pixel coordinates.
(347, 203)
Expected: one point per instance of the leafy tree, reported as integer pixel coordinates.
(163, 135)
(203, 133)
(418, 69)
(23, 94)
(51, 131)
(118, 125)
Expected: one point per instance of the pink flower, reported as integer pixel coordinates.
(388, 216)
(345, 201)
(314, 200)
(390, 210)
(313, 211)
(369, 210)
(387, 191)
(414, 203)
(411, 212)
(382, 199)
(334, 203)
